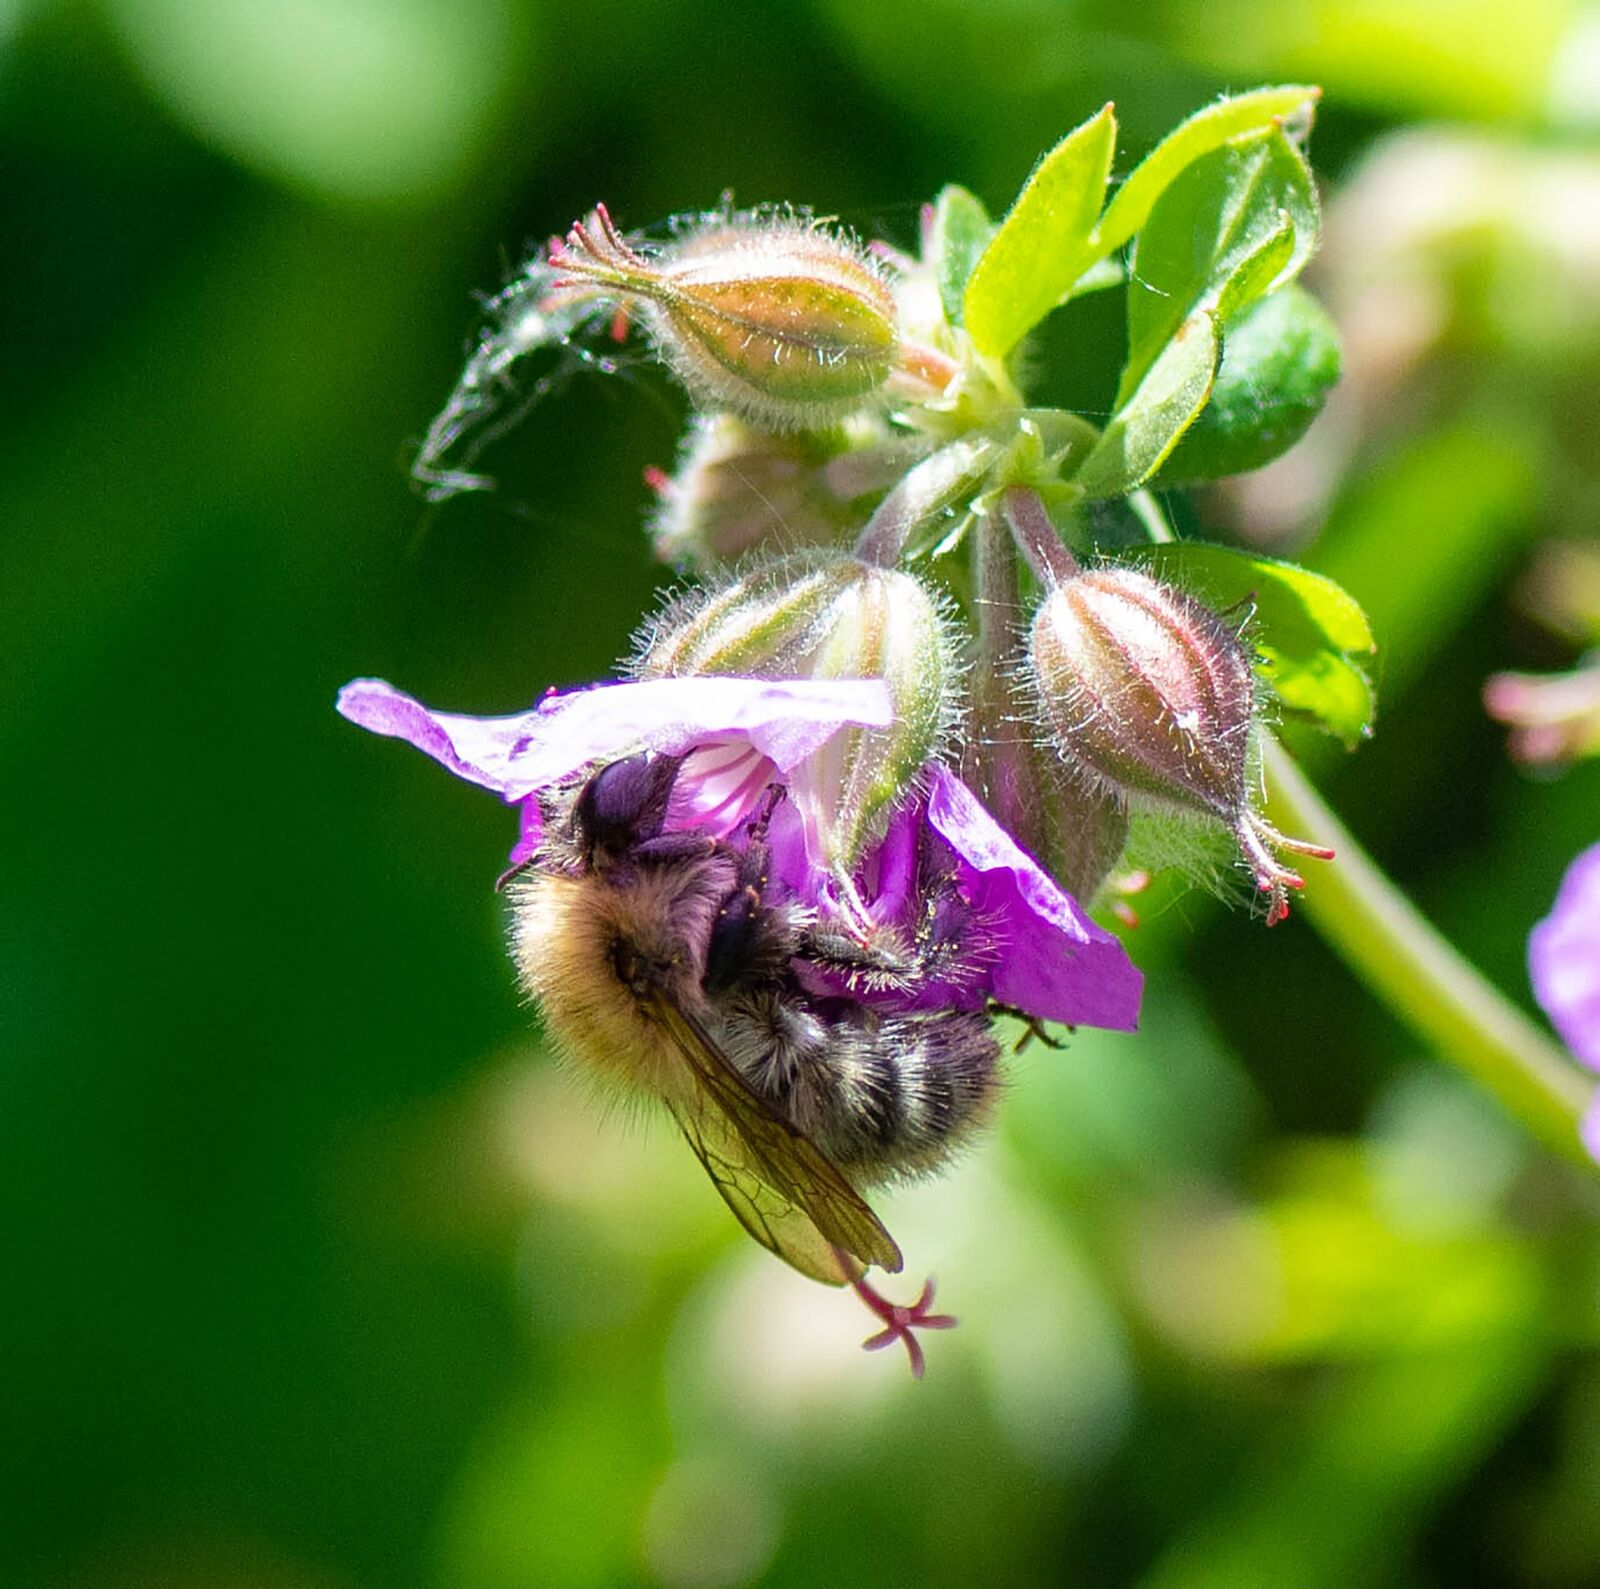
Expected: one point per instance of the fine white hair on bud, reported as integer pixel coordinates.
(738, 487)
(829, 616)
(772, 316)
(1149, 694)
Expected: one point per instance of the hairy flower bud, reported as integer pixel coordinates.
(771, 316)
(1150, 695)
(738, 488)
(1077, 829)
(829, 617)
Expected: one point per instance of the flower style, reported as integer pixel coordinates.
(1564, 964)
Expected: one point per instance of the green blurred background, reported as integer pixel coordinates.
(315, 1272)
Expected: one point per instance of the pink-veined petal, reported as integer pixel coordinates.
(786, 720)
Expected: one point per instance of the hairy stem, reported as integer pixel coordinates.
(1404, 960)
(1036, 536)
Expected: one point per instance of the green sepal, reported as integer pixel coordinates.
(1279, 361)
(957, 237)
(1044, 244)
(1305, 628)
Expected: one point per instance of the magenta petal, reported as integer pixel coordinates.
(471, 747)
(1054, 962)
(1564, 961)
(530, 833)
(1589, 1128)
(787, 720)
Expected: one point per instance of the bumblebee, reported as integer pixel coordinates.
(782, 1036)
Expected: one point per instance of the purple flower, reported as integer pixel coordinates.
(1564, 964)
(1031, 946)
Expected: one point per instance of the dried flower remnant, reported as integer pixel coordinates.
(1150, 697)
(1564, 965)
(772, 317)
(486, 401)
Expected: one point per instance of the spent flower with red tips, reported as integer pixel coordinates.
(772, 316)
(1151, 697)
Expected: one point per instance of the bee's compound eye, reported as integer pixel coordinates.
(625, 802)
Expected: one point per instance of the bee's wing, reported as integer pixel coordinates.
(778, 1183)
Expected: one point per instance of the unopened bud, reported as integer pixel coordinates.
(770, 316)
(836, 617)
(1076, 827)
(1149, 694)
(737, 488)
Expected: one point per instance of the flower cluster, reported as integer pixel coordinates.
(860, 787)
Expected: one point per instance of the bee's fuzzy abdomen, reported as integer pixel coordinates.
(883, 1096)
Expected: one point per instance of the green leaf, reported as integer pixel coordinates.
(959, 234)
(1206, 130)
(1148, 426)
(1043, 245)
(1105, 273)
(1263, 270)
(1305, 627)
(1237, 222)
(1279, 361)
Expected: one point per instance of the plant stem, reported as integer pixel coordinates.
(1037, 537)
(1381, 935)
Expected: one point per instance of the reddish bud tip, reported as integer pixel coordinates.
(772, 317)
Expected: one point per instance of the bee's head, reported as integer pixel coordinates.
(623, 805)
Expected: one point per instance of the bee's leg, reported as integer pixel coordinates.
(1034, 1028)
(879, 960)
(665, 848)
(750, 939)
(941, 945)
(756, 825)
(689, 844)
